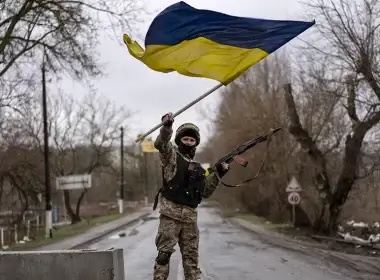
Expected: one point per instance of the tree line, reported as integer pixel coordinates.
(83, 131)
(326, 96)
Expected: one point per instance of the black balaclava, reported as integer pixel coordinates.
(191, 130)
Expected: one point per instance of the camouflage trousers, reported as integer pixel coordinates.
(170, 232)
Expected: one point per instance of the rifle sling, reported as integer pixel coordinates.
(271, 132)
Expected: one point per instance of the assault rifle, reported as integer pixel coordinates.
(234, 155)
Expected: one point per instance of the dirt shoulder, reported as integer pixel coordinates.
(67, 233)
(305, 235)
(359, 261)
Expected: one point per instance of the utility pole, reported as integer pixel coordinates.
(48, 206)
(121, 196)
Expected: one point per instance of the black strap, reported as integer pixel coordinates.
(156, 199)
(237, 185)
(160, 190)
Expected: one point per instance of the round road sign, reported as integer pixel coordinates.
(294, 198)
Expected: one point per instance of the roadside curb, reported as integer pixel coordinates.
(107, 232)
(97, 232)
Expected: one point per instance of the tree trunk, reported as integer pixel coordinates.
(348, 174)
(319, 222)
(80, 199)
(73, 216)
(335, 210)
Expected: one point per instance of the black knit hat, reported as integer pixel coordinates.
(187, 129)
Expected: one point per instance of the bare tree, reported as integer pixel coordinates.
(83, 134)
(20, 168)
(68, 30)
(350, 30)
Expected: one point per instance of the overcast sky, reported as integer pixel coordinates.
(151, 93)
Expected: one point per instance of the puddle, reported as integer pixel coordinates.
(133, 232)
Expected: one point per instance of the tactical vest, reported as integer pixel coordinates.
(187, 185)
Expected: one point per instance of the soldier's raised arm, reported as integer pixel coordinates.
(162, 143)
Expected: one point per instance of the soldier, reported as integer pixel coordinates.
(184, 186)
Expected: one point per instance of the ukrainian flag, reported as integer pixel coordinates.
(208, 44)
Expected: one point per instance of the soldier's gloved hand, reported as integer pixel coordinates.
(222, 168)
(168, 119)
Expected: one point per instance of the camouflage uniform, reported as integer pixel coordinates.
(178, 223)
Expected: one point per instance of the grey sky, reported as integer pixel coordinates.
(151, 93)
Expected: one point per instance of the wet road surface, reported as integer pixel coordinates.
(226, 253)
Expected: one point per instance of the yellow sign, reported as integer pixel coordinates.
(148, 146)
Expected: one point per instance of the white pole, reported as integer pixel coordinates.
(48, 223)
(121, 205)
(2, 236)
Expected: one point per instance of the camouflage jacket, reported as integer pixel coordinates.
(168, 157)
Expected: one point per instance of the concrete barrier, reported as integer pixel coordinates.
(63, 265)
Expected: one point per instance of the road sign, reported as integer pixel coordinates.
(294, 198)
(148, 146)
(293, 186)
(74, 182)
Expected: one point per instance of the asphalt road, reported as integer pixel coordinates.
(227, 252)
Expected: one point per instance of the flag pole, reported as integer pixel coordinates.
(141, 137)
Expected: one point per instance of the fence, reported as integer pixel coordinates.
(13, 232)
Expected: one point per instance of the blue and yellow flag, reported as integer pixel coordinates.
(208, 44)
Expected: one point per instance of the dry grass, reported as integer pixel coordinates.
(67, 231)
